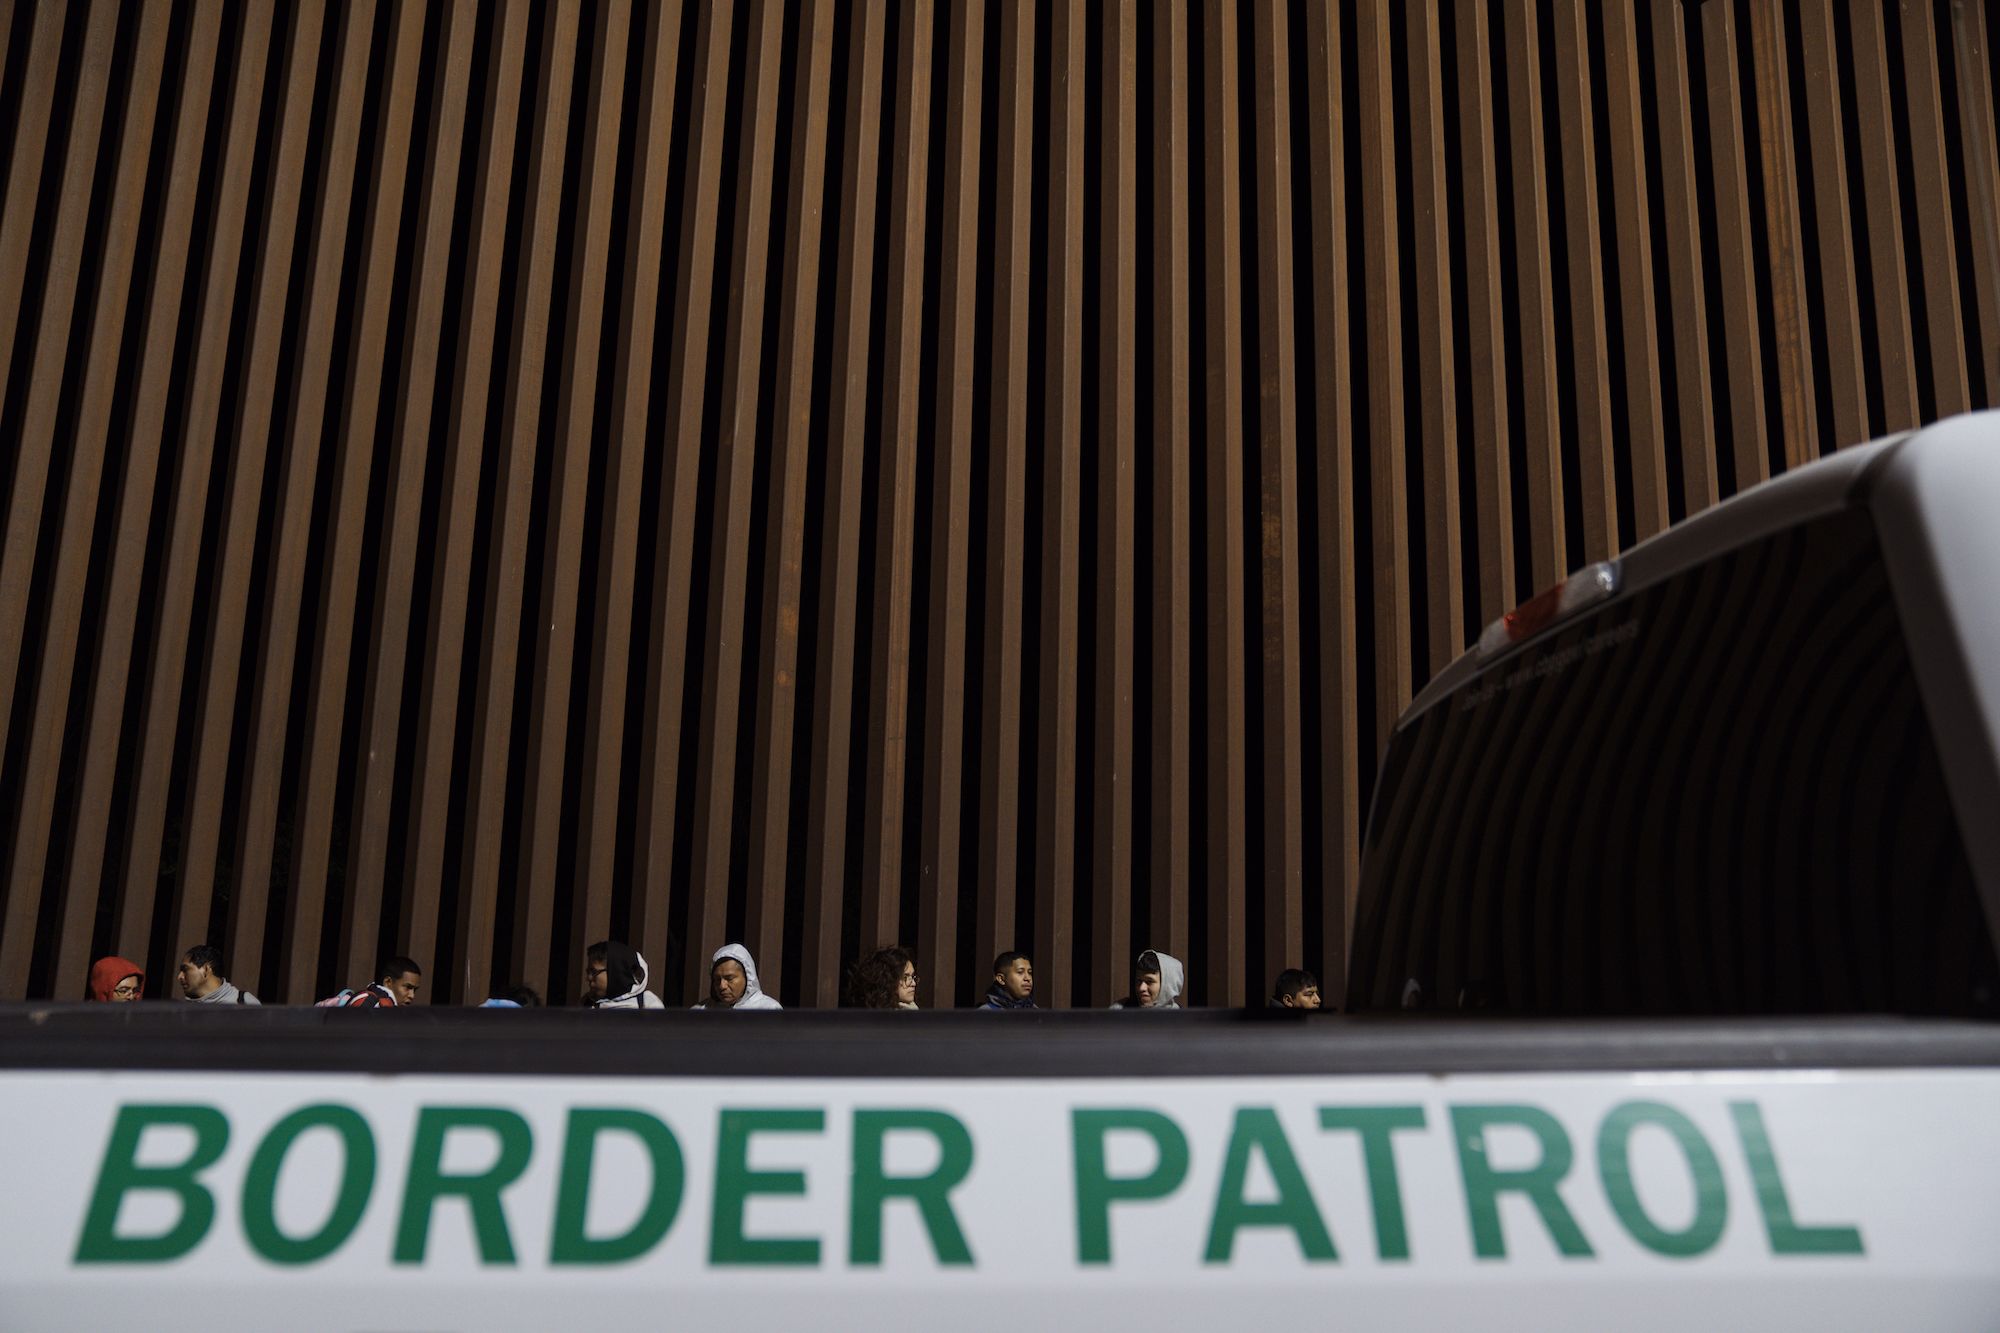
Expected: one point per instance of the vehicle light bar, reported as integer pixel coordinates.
(1585, 588)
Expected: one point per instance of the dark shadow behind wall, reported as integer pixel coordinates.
(485, 477)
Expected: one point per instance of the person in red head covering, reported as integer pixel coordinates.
(117, 979)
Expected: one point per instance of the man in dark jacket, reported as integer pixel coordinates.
(1013, 983)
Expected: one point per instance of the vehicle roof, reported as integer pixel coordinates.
(1804, 493)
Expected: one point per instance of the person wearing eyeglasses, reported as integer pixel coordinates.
(615, 976)
(119, 980)
(885, 979)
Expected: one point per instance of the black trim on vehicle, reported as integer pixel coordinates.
(964, 1044)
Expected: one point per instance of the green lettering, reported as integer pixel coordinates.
(735, 1182)
(873, 1187)
(1614, 1164)
(1787, 1236)
(1375, 1124)
(121, 1174)
(1097, 1189)
(1484, 1182)
(260, 1184)
(1257, 1127)
(568, 1244)
(481, 1190)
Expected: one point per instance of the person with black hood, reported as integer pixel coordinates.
(732, 982)
(1013, 983)
(615, 976)
(1157, 981)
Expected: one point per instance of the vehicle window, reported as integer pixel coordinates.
(1716, 796)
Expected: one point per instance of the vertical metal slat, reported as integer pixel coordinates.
(80, 497)
(1282, 659)
(1170, 871)
(1687, 293)
(827, 822)
(1223, 449)
(1054, 884)
(997, 829)
(951, 503)
(777, 692)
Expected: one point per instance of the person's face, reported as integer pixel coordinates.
(906, 985)
(727, 983)
(1149, 988)
(404, 988)
(1308, 998)
(1018, 979)
(127, 990)
(193, 979)
(594, 978)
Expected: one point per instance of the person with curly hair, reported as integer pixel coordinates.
(885, 979)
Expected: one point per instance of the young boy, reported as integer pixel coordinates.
(1157, 980)
(1296, 989)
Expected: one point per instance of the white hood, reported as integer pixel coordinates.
(635, 996)
(753, 994)
(1173, 980)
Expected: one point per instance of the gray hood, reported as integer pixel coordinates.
(753, 994)
(1173, 980)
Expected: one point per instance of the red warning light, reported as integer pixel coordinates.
(1587, 587)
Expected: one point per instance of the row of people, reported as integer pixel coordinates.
(616, 977)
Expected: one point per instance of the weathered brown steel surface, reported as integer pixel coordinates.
(1171, 647)
(485, 478)
(1840, 319)
(1686, 297)
(1875, 107)
(840, 653)
(1053, 866)
(1729, 155)
(1534, 331)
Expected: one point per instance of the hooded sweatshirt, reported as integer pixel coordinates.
(227, 993)
(753, 996)
(625, 976)
(106, 973)
(1173, 979)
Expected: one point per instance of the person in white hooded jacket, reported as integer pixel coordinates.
(732, 982)
(615, 976)
(1157, 981)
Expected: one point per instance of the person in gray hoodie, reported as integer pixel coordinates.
(732, 982)
(1157, 981)
(202, 981)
